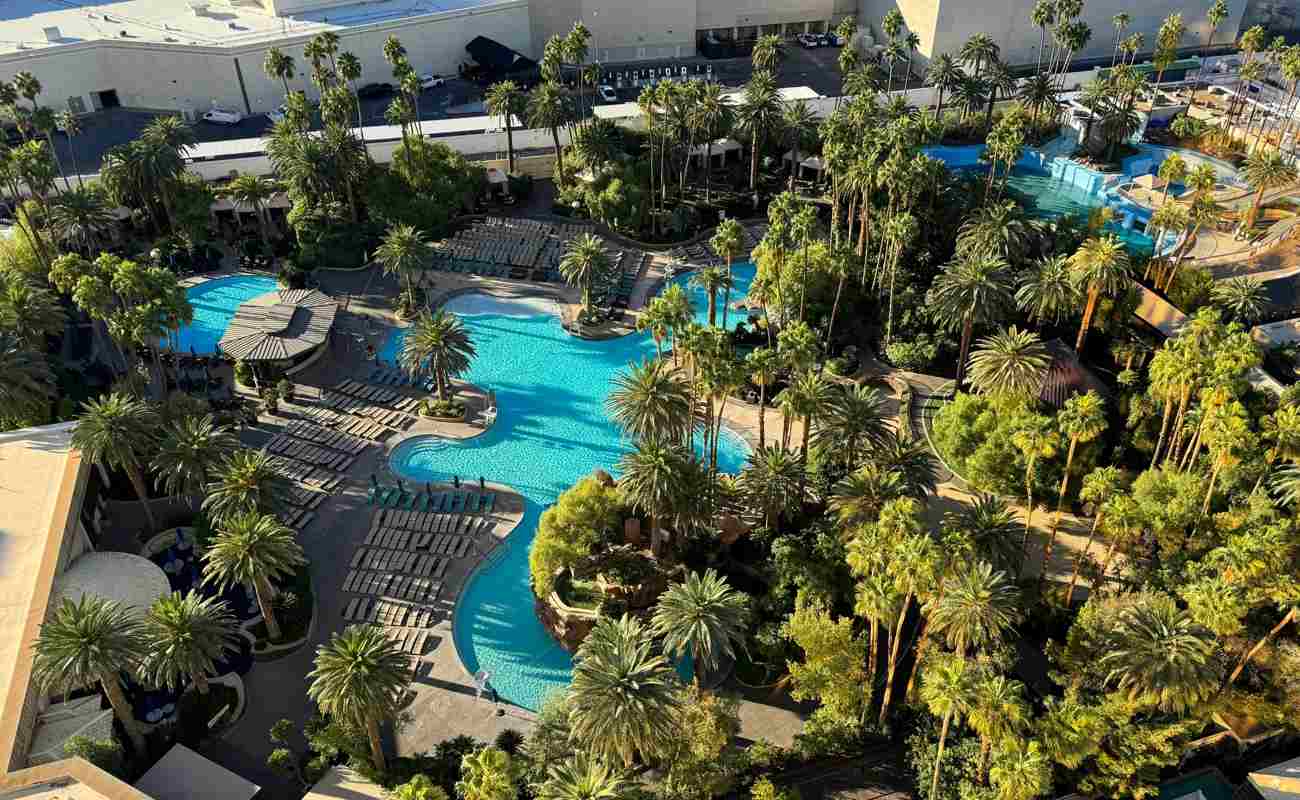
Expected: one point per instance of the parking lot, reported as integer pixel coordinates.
(101, 130)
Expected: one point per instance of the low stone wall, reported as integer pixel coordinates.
(568, 626)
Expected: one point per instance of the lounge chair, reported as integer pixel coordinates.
(489, 500)
(387, 496)
(370, 494)
(457, 503)
(422, 502)
(408, 501)
(435, 502)
(471, 503)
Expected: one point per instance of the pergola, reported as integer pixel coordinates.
(279, 326)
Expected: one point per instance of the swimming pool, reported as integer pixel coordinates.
(215, 303)
(1045, 197)
(551, 389)
(742, 277)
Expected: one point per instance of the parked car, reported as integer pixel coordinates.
(823, 40)
(808, 40)
(375, 90)
(431, 81)
(607, 93)
(223, 116)
(835, 39)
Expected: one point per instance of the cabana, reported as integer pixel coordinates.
(813, 163)
(719, 150)
(287, 327)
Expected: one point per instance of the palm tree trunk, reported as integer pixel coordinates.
(967, 328)
(1060, 506)
(72, 152)
(200, 681)
(1209, 491)
(654, 534)
(893, 659)
(376, 745)
(938, 759)
(1029, 515)
(708, 172)
(1078, 559)
(137, 482)
(762, 414)
(726, 293)
(1254, 651)
(835, 307)
(262, 588)
(125, 714)
(1089, 309)
(510, 145)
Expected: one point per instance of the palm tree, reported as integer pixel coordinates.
(1039, 94)
(247, 481)
(726, 242)
(701, 616)
(712, 117)
(758, 116)
(991, 527)
(192, 448)
(977, 609)
(582, 777)
(769, 52)
(944, 74)
(1047, 290)
(1010, 363)
(359, 678)
(770, 481)
(1100, 267)
(71, 125)
(623, 697)
(763, 365)
(505, 99)
(185, 635)
(350, 71)
(119, 431)
(29, 312)
(860, 496)
(1082, 419)
(403, 252)
(254, 549)
(808, 396)
(1021, 771)
(438, 343)
(253, 191)
(799, 122)
(651, 402)
(1264, 169)
(487, 774)
(652, 481)
(1037, 439)
(973, 289)
(1161, 657)
(1243, 297)
(1099, 486)
(87, 641)
(998, 712)
(854, 417)
(712, 279)
(978, 51)
(946, 690)
(278, 64)
(912, 460)
(548, 107)
(79, 216)
(26, 381)
(585, 265)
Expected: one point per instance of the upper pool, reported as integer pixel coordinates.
(215, 303)
(553, 430)
(742, 277)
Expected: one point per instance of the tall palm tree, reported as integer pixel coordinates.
(359, 678)
(120, 431)
(438, 343)
(978, 51)
(191, 450)
(704, 617)
(1264, 169)
(1010, 363)
(29, 312)
(771, 481)
(279, 65)
(585, 265)
(1038, 438)
(87, 641)
(1081, 420)
(912, 460)
(253, 191)
(944, 74)
(726, 242)
(247, 481)
(26, 381)
(998, 712)
(506, 100)
(1100, 267)
(1161, 657)
(769, 52)
(974, 289)
(1047, 290)
(809, 395)
(712, 279)
(758, 117)
(583, 777)
(253, 549)
(651, 402)
(548, 107)
(860, 496)
(946, 690)
(799, 123)
(712, 117)
(185, 635)
(979, 607)
(623, 698)
(350, 71)
(652, 480)
(854, 418)
(70, 123)
(1099, 486)
(80, 216)
(403, 252)
(1243, 297)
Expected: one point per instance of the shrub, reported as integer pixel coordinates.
(913, 355)
(976, 438)
(285, 388)
(243, 373)
(107, 754)
(583, 515)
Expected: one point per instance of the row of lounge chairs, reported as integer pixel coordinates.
(428, 501)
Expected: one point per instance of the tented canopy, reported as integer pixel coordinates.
(183, 774)
(719, 146)
(279, 326)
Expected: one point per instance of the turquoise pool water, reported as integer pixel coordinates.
(215, 303)
(1047, 198)
(552, 431)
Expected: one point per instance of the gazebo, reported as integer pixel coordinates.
(285, 326)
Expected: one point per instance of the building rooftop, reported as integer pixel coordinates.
(1278, 782)
(183, 774)
(341, 783)
(35, 24)
(38, 483)
(279, 325)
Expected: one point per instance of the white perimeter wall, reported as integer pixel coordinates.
(191, 79)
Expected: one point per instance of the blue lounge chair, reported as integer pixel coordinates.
(457, 503)
(471, 503)
(422, 502)
(489, 500)
(388, 496)
(408, 501)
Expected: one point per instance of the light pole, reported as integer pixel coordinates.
(595, 37)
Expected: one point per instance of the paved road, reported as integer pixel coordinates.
(104, 129)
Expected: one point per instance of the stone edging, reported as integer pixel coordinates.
(235, 682)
